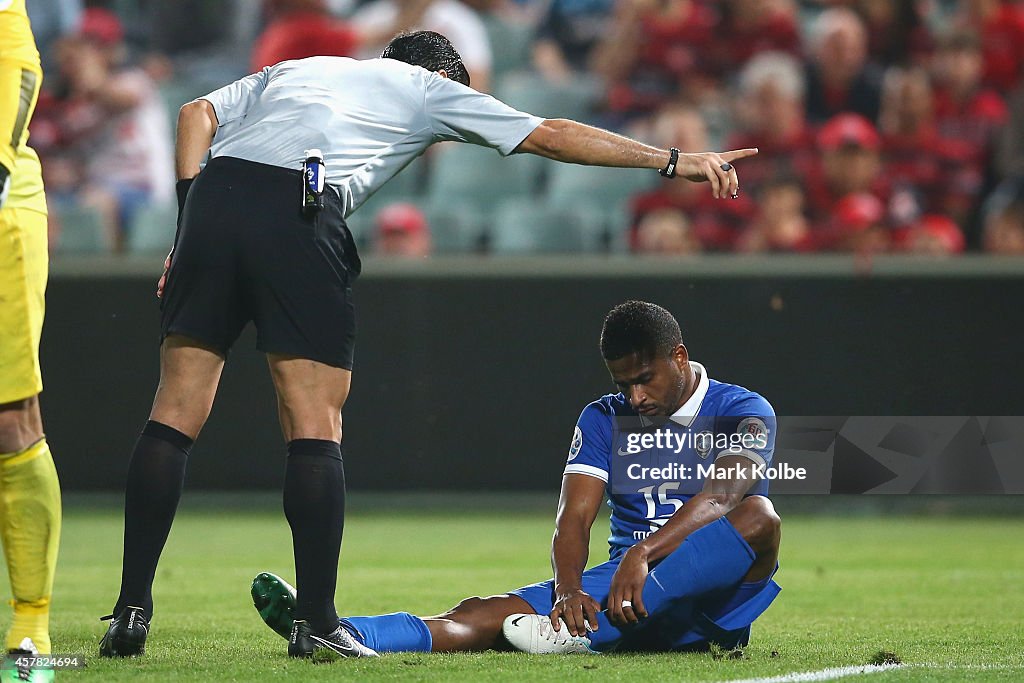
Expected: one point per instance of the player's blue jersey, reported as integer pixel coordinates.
(719, 419)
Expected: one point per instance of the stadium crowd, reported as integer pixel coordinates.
(883, 125)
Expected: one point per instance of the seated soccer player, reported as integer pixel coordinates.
(693, 548)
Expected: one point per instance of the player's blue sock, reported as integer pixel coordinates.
(398, 632)
(712, 558)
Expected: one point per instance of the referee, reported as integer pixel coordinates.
(249, 249)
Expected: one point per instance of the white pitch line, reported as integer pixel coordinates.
(823, 674)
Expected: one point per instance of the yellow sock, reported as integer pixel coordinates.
(30, 530)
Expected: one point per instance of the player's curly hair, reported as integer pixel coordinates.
(639, 327)
(430, 50)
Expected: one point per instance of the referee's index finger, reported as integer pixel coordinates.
(739, 154)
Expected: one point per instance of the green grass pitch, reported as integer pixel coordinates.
(944, 594)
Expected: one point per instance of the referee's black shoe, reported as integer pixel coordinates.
(305, 642)
(126, 635)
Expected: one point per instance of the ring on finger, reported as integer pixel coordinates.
(726, 167)
(626, 603)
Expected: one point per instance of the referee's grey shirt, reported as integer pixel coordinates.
(370, 118)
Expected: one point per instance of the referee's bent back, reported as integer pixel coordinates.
(369, 117)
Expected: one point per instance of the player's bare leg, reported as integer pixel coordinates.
(759, 525)
(310, 396)
(189, 374)
(474, 624)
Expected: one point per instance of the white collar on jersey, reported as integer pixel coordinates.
(688, 411)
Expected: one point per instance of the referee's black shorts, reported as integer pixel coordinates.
(246, 252)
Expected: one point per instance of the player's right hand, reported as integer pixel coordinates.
(163, 278)
(577, 609)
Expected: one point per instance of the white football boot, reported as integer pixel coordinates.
(533, 633)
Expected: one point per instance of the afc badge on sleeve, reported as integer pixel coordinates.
(576, 445)
(753, 433)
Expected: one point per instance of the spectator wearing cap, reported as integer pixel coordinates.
(851, 163)
(306, 28)
(857, 225)
(1000, 28)
(106, 144)
(770, 116)
(302, 28)
(933, 235)
(839, 76)
(402, 230)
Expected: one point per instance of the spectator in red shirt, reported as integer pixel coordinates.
(966, 108)
(969, 116)
(302, 28)
(106, 142)
(666, 231)
(749, 27)
(770, 115)
(714, 224)
(1000, 25)
(654, 52)
(919, 162)
(857, 225)
(851, 164)
(305, 28)
(780, 223)
(839, 76)
(897, 32)
(933, 235)
(402, 230)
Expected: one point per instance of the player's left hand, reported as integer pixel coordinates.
(628, 586)
(716, 169)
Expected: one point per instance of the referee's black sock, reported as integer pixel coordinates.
(314, 503)
(156, 476)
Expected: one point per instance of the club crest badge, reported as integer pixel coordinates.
(703, 443)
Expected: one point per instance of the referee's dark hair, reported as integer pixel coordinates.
(430, 50)
(639, 327)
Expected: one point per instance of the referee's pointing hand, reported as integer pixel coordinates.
(714, 168)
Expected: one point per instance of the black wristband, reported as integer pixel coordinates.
(673, 160)
(181, 188)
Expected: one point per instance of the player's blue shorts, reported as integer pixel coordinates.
(722, 619)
